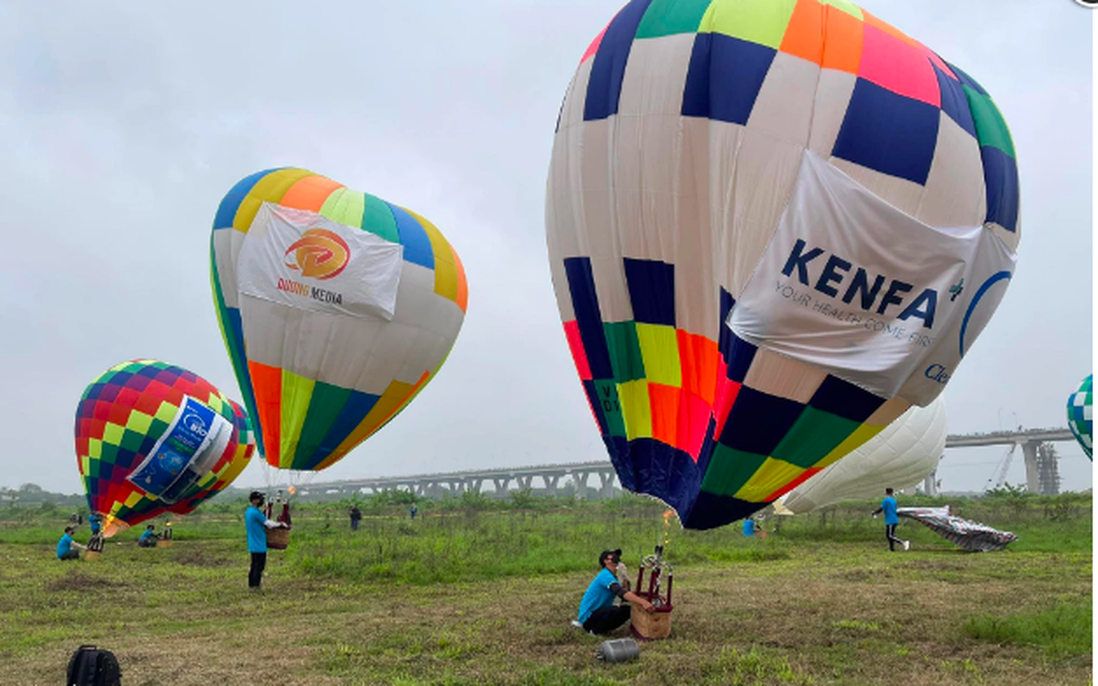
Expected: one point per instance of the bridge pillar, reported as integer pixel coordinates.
(474, 484)
(551, 482)
(501, 485)
(580, 476)
(524, 482)
(606, 476)
(1029, 450)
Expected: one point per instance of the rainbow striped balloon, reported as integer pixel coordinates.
(752, 215)
(319, 376)
(120, 418)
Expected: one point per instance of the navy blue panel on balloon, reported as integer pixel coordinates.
(706, 452)
(844, 399)
(651, 290)
(663, 471)
(711, 510)
(888, 133)
(608, 69)
(740, 355)
(955, 102)
(618, 448)
(724, 77)
(967, 80)
(585, 302)
(1001, 181)
(724, 339)
(147, 370)
(759, 421)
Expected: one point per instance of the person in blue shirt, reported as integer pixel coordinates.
(413, 511)
(66, 546)
(888, 506)
(255, 526)
(749, 526)
(94, 521)
(148, 537)
(597, 612)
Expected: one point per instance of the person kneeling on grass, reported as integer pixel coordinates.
(66, 544)
(597, 612)
(148, 538)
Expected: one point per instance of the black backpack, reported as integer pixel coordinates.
(90, 666)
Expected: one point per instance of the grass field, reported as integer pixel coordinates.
(481, 592)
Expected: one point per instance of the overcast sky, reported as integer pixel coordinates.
(124, 123)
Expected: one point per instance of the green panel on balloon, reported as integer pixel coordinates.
(813, 436)
(378, 219)
(669, 17)
(729, 469)
(625, 351)
(991, 129)
(131, 440)
(611, 406)
(324, 408)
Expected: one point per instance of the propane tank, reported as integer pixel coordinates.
(618, 650)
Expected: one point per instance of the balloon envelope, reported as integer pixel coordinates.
(132, 421)
(773, 225)
(336, 308)
(1081, 415)
(899, 457)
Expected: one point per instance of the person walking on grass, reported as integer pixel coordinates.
(597, 612)
(888, 506)
(255, 526)
(66, 546)
(356, 517)
(413, 511)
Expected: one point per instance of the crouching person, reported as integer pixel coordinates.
(148, 538)
(597, 612)
(68, 549)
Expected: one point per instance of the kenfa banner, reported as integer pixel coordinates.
(855, 286)
(187, 451)
(307, 261)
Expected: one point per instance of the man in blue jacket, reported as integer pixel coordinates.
(148, 537)
(888, 506)
(256, 525)
(597, 612)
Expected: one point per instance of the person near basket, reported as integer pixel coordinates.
(256, 525)
(597, 612)
(65, 546)
(148, 537)
(888, 506)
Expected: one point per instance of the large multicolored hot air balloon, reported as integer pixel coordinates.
(153, 438)
(773, 226)
(1081, 416)
(900, 456)
(336, 307)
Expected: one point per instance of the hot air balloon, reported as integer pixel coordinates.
(1081, 416)
(153, 438)
(336, 308)
(773, 225)
(900, 456)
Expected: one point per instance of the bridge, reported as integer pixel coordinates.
(1041, 471)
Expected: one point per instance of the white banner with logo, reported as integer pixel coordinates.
(852, 285)
(305, 260)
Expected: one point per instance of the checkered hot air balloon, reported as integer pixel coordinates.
(336, 308)
(773, 226)
(122, 423)
(1081, 416)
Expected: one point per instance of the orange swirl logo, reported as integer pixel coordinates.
(319, 254)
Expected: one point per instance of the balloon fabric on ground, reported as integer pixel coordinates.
(121, 418)
(336, 308)
(1081, 415)
(899, 457)
(773, 226)
(966, 533)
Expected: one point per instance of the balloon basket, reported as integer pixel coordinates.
(91, 555)
(164, 543)
(278, 539)
(650, 626)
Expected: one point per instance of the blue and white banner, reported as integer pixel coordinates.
(186, 452)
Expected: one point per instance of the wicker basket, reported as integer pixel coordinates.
(91, 556)
(278, 539)
(164, 543)
(649, 626)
